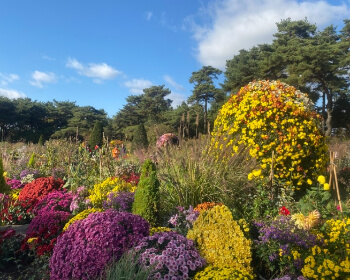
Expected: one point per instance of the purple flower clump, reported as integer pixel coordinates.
(173, 255)
(88, 245)
(58, 172)
(47, 221)
(54, 201)
(287, 277)
(15, 184)
(283, 230)
(121, 201)
(183, 220)
(29, 171)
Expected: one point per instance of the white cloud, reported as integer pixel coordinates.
(177, 99)
(240, 24)
(46, 57)
(136, 86)
(149, 15)
(171, 82)
(41, 78)
(12, 94)
(100, 71)
(6, 79)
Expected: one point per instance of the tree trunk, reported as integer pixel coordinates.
(205, 113)
(329, 122)
(329, 113)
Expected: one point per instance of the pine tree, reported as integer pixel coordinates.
(96, 137)
(146, 201)
(140, 140)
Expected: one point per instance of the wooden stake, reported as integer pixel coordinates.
(333, 179)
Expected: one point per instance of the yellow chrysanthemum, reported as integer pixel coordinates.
(270, 116)
(326, 187)
(321, 179)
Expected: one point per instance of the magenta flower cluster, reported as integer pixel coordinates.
(54, 201)
(121, 201)
(173, 256)
(88, 245)
(15, 184)
(45, 228)
(47, 221)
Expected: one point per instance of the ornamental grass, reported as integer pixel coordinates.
(189, 175)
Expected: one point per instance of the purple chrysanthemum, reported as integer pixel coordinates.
(87, 246)
(121, 201)
(54, 201)
(172, 255)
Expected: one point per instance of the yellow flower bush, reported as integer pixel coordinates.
(222, 273)
(332, 260)
(267, 116)
(220, 240)
(100, 191)
(158, 229)
(82, 215)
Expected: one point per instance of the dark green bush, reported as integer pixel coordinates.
(146, 201)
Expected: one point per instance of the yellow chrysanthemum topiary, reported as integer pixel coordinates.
(100, 191)
(331, 261)
(222, 273)
(220, 240)
(266, 116)
(82, 215)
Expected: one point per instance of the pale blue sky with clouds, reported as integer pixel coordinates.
(99, 52)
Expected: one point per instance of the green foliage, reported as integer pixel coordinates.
(96, 137)
(128, 268)
(190, 176)
(204, 89)
(140, 140)
(41, 140)
(31, 161)
(146, 201)
(4, 188)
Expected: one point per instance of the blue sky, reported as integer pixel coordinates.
(99, 52)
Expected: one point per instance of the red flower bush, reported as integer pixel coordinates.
(39, 188)
(284, 211)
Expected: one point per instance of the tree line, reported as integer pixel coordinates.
(316, 62)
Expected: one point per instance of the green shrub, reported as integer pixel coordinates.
(146, 202)
(96, 137)
(140, 140)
